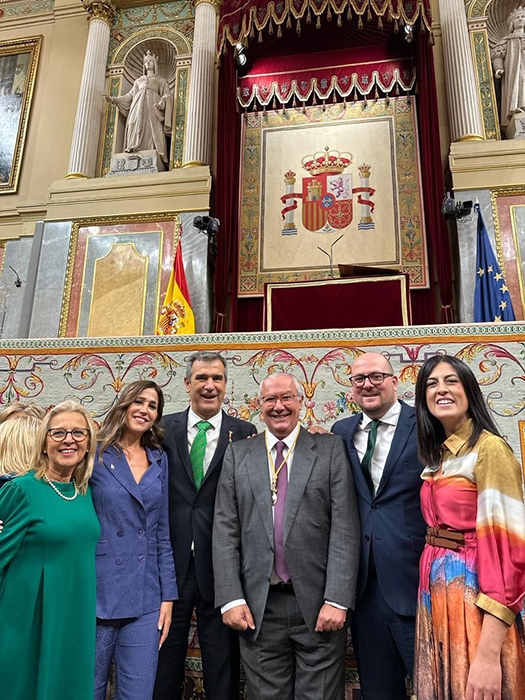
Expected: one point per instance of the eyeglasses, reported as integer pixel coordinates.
(375, 378)
(285, 399)
(59, 434)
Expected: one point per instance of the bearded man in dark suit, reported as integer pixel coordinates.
(381, 443)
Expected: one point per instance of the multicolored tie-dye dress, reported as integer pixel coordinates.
(478, 492)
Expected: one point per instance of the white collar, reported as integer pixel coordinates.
(289, 440)
(193, 419)
(391, 417)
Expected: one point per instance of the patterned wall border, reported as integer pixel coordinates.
(93, 371)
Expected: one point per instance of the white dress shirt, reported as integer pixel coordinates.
(212, 434)
(385, 434)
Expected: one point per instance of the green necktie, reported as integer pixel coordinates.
(198, 451)
(367, 458)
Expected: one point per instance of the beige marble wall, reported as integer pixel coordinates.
(48, 142)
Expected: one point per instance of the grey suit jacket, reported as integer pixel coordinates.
(321, 527)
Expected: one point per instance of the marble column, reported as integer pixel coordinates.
(86, 133)
(199, 121)
(464, 109)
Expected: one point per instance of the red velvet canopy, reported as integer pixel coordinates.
(379, 41)
(241, 20)
(345, 73)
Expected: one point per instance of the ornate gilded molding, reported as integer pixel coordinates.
(482, 65)
(103, 221)
(100, 9)
(507, 192)
(109, 131)
(179, 125)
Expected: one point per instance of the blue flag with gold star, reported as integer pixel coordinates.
(492, 300)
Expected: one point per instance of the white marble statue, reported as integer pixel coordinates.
(148, 108)
(508, 60)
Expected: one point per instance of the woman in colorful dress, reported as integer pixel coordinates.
(47, 565)
(470, 641)
(136, 583)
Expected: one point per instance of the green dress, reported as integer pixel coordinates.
(47, 592)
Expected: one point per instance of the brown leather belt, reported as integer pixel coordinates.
(449, 539)
(282, 586)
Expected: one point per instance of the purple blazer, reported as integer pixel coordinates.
(135, 568)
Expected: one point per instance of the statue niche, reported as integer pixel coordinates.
(148, 110)
(508, 60)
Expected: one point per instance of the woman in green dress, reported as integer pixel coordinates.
(47, 565)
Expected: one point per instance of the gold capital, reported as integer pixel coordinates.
(100, 9)
(214, 3)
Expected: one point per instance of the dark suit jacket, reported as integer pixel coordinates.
(191, 511)
(134, 560)
(391, 520)
(321, 527)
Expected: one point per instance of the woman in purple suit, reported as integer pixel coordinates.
(136, 583)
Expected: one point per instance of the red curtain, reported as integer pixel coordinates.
(227, 194)
(432, 184)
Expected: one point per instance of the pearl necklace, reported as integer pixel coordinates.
(57, 490)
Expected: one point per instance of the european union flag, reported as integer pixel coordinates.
(492, 300)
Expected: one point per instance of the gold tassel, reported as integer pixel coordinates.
(308, 16)
(252, 32)
(270, 27)
(396, 27)
(298, 27)
(294, 103)
(369, 15)
(260, 38)
(349, 12)
(274, 104)
(339, 21)
(304, 107)
(288, 22)
(360, 23)
(329, 14)
(314, 101)
(318, 23)
(380, 23)
(279, 32)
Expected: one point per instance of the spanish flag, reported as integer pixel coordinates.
(176, 316)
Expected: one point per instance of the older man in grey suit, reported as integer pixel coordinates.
(286, 551)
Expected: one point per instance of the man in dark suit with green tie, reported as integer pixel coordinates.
(195, 442)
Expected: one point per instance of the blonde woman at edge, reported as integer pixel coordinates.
(47, 565)
(17, 444)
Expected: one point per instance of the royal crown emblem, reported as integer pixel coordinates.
(173, 317)
(327, 194)
(330, 162)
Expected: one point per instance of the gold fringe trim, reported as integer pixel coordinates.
(252, 22)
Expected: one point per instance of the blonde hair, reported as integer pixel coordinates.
(83, 469)
(17, 444)
(18, 408)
